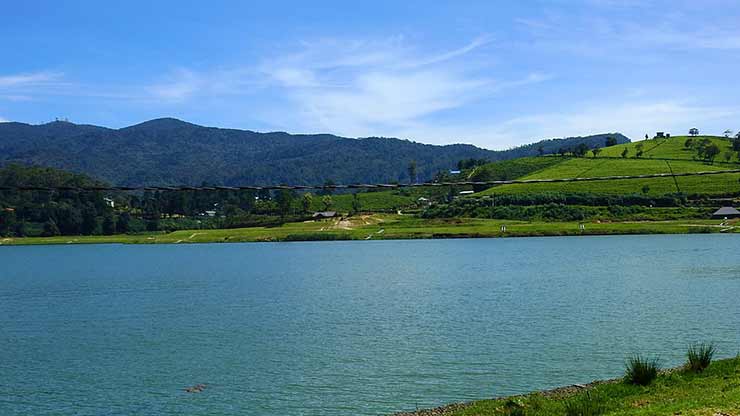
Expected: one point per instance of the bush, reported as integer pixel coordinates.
(700, 356)
(585, 405)
(641, 371)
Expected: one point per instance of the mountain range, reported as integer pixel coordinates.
(168, 151)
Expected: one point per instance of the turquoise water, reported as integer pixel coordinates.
(348, 328)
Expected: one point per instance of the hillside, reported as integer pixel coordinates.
(169, 151)
(659, 156)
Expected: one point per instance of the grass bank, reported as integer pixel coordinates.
(391, 226)
(713, 392)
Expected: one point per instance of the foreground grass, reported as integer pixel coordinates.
(391, 226)
(716, 391)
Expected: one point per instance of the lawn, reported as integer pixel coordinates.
(390, 226)
(715, 392)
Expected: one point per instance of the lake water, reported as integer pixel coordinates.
(348, 328)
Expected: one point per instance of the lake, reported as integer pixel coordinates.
(348, 328)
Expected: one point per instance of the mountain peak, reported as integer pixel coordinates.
(161, 124)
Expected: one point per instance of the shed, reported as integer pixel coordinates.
(726, 212)
(324, 214)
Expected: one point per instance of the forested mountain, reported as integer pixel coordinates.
(169, 151)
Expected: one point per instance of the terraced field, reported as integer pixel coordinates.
(671, 148)
(669, 156)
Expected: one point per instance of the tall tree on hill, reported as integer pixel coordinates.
(595, 151)
(412, 172)
(109, 224)
(306, 201)
(728, 133)
(327, 202)
(736, 143)
(625, 152)
(693, 131)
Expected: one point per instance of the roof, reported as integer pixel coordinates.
(466, 192)
(325, 214)
(727, 211)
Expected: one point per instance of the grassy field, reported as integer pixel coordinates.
(388, 226)
(714, 392)
(670, 148)
(596, 167)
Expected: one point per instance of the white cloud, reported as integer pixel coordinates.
(362, 88)
(2, 120)
(28, 79)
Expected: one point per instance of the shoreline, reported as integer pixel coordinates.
(392, 228)
(556, 393)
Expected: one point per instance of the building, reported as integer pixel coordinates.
(660, 135)
(467, 192)
(424, 201)
(726, 212)
(324, 215)
(111, 203)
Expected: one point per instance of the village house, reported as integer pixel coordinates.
(320, 215)
(726, 213)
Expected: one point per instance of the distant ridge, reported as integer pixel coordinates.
(168, 151)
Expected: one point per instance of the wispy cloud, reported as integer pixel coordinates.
(28, 79)
(385, 87)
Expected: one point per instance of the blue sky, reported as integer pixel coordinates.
(492, 73)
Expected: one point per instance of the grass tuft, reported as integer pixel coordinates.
(585, 405)
(641, 370)
(700, 356)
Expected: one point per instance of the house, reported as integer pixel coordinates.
(324, 215)
(424, 201)
(108, 201)
(726, 212)
(660, 135)
(210, 213)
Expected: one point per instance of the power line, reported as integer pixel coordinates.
(355, 186)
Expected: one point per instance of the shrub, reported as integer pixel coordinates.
(585, 405)
(700, 356)
(641, 371)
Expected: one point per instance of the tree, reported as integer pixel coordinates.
(109, 224)
(285, 201)
(581, 150)
(646, 189)
(50, 228)
(89, 220)
(610, 141)
(693, 131)
(306, 201)
(689, 143)
(736, 143)
(711, 152)
(625, 152)
(540, 150)
(562, 151)
(7, 222)
(728, 133)
(327, 202)
(412, 171)
(595, 151)
(639, 148)
(124, 223)
(647, 137)
(356, 206)
(728, 156)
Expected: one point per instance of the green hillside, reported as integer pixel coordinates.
(659, 156)
(669, 148)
